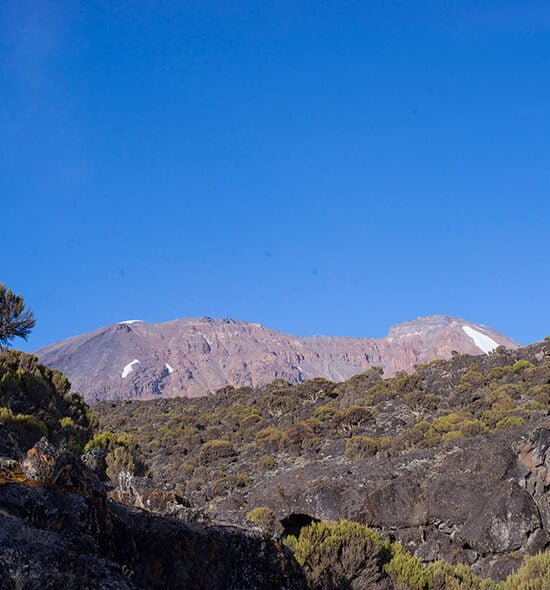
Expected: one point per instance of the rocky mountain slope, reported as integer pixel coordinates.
(362, 485)
(193, 357)
(59, 530)
(453, 460)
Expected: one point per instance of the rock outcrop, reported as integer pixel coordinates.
(58, 530)
(192, 357)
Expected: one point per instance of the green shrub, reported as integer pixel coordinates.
(334, 554)
(123, 455)
(270, 439)
(509, 422)
(449, 422)
(27, 429)
(520, 366)
(301, 435)
(472, 379)
(360, 447)
(407, 571)
(458, 577)
(262, 517)
(534, 574)
(452, 435)
(213, 450)
(325, 412)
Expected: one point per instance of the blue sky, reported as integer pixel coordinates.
(318, 167)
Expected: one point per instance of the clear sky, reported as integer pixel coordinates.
(324, 167)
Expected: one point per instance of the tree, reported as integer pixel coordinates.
(15, 320)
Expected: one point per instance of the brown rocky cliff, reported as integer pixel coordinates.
(193, 357)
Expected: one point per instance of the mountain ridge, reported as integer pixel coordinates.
(134, 359)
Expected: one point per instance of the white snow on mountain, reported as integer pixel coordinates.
(482, 341)
(129, 368)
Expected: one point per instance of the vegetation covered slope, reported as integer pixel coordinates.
(37, 401)
(58, 529)
(233, 438)
(431, 459)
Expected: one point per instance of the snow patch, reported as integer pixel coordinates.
(482, 341)
(132, 322)
(129, 368)
(170, 369)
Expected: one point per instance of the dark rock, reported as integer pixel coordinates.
(49, 466)
(51, 539)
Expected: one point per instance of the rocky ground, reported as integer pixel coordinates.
(58, 530)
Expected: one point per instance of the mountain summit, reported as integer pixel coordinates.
(191, 357)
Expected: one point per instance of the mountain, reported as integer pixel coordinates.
(193, 357)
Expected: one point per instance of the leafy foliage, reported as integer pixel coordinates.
(347, 554)
(37, 401)
(15, 320)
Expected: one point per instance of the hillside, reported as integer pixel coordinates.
(193, 357)
(452, 460)
(366, 484)
(59, 530)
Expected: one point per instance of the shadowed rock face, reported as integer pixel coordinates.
(192, 357)
(57, 530)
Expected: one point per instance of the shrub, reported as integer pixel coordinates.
(509, 422)
(452, 435)
(270, 438)
(28, 430)
(262, 517)
(325, 412)
(360, 447)
(123, 455)
(457, 577)
(472, 379)
(449, 422)
(265, 463)
(534, 574)
(472, 427)
(407, 570)
(520, 366)
(216, 449)
(332, 555)
(348, 420)
(301, 435)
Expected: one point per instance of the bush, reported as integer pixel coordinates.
(262, 517)
(534, 574)
(270, 439)
(348, 420)
(123, 455)
(213, 450)
(265, 463)
(332, 555)
(28, 430)
(301, 435)
(407, 571)
(457, 577)
(509, 422)
(520, 366)
(360, 447)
